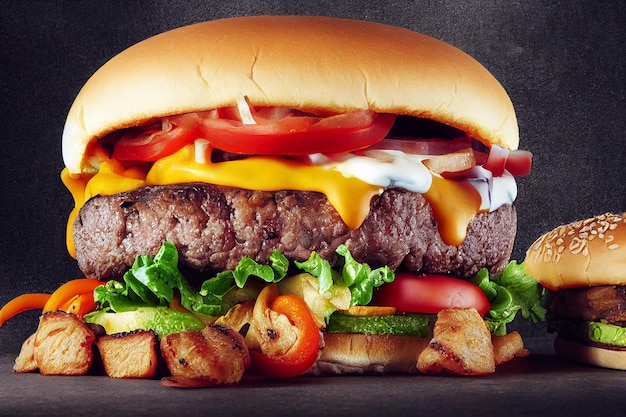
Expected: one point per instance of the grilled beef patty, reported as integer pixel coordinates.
(605, 303)
(213, 227)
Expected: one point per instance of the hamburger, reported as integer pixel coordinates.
(371, 163)
(583, 264)
(196, 82)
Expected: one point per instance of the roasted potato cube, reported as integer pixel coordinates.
(63, 345)
(25, 361)
(508, 347)
(461, 344)
(217, 355)
(129, 355)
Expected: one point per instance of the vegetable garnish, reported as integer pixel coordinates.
(431, 293)
(75, 296)
(66, 293)
(358, 277)
(152, 281)
(277, 359)
(22, 303)
(157, 282)
(509, 292)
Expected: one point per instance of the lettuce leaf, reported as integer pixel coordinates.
(358, 277)
(510, 292)
(151, 282)
(155, 281)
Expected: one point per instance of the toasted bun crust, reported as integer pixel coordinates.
(583, 253)
(311, 63)
(591, 355)
(348, 353)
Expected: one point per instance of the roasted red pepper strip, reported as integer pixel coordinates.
(298, 358)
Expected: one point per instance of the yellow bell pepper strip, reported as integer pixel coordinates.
(300, 329)
(22, 303)
(69, 290)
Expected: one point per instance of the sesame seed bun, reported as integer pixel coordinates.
(309, 63)
(580, 254)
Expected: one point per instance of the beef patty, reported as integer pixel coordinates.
(213, 227)
(605, 303)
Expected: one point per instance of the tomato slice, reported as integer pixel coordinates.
(431, 293)
(158, 141)
(277, 131)
(299, 135)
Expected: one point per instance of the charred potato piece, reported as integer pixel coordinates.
(129, 355)
(461, 344)
(217, 355)
(508, 347)
(25, 361)
(63, 345)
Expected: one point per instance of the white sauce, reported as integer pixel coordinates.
(397, 169)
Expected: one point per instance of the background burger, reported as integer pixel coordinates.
(583, 264)
(307, 136)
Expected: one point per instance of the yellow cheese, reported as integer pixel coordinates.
(454, 203)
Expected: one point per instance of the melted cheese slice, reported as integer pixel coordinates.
(454, 203)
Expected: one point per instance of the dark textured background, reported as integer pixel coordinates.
(561, 62)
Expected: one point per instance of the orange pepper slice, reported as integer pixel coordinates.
(303, 354)
(22, 303)
(80, 304)
(74, 297)
(69, 290)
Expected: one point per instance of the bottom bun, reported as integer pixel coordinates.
(355, 353)
(591, 355)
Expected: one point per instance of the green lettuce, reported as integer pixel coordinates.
(155, 281)
(151, 282)
(360, 278)
(510, 292)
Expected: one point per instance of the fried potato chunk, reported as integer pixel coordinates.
(461, 344)
(508, 347)
(129, 355)
(63, 345)
(216, 355)
(25, 361)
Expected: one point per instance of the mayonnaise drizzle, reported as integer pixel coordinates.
(397, 169)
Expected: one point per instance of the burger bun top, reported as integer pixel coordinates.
(310, 63)
(580, 254)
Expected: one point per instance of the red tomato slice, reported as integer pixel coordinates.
(430, 294)
(151, 145)
(299, 135)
